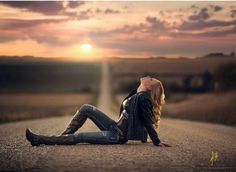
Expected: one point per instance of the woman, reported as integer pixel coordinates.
(150, 96)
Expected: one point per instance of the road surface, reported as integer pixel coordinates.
(192, 146)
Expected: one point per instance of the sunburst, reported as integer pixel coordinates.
(86, 47)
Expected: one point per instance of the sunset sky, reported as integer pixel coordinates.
(80, 30)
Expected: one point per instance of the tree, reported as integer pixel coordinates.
(187, 83)
(207, 80)
(225, 75)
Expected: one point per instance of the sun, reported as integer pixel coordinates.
(87, 51)
(86, 47)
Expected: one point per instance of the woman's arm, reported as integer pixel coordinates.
(146, 113)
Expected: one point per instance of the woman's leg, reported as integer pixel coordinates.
(101, 120)
(103, 137)
(37, 140)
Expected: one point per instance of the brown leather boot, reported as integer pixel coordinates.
(36, 140)
(77, 122)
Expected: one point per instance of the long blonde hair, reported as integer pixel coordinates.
(158, 99)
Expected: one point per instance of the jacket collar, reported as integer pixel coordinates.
(134, 91)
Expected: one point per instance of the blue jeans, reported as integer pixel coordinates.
(106, 136)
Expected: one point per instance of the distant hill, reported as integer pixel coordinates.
(219, 55)
(210, 55)
(26, 59)
(32, 59)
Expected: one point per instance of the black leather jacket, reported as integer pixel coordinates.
(140, 118)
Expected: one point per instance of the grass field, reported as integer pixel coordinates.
(172, 72)
(209, 107)
(166, 66)
(53, 77)
(36, 89)
(15, 107)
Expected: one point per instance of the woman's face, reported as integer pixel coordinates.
(148, 81)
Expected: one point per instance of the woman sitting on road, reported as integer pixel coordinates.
(145, 101)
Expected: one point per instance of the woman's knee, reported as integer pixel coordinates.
(87, 109)
(112, 138)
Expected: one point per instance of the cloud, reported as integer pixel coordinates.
(216, 8)
(213, 34)
(202, 15)
(233, 13)
(151, 25)
(75, 4)
(85, 15)
(47, 8)
(107, 11)
(187, 25)
(162, 13)
(6, 38)
(218, 33)
(15, 24)
(156, 24)
(17, 29)
(98, 10)
(111, 11)
(194, 6)
(151, 28)
(89, 13)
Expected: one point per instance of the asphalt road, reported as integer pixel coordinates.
(192, 145)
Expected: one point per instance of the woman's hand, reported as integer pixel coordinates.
(163, 145)
(149, 140)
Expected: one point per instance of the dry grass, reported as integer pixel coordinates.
(172, 66)
(126, 73)
(209, 107)
(15, 107)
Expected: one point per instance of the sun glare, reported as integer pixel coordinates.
(86, 47)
